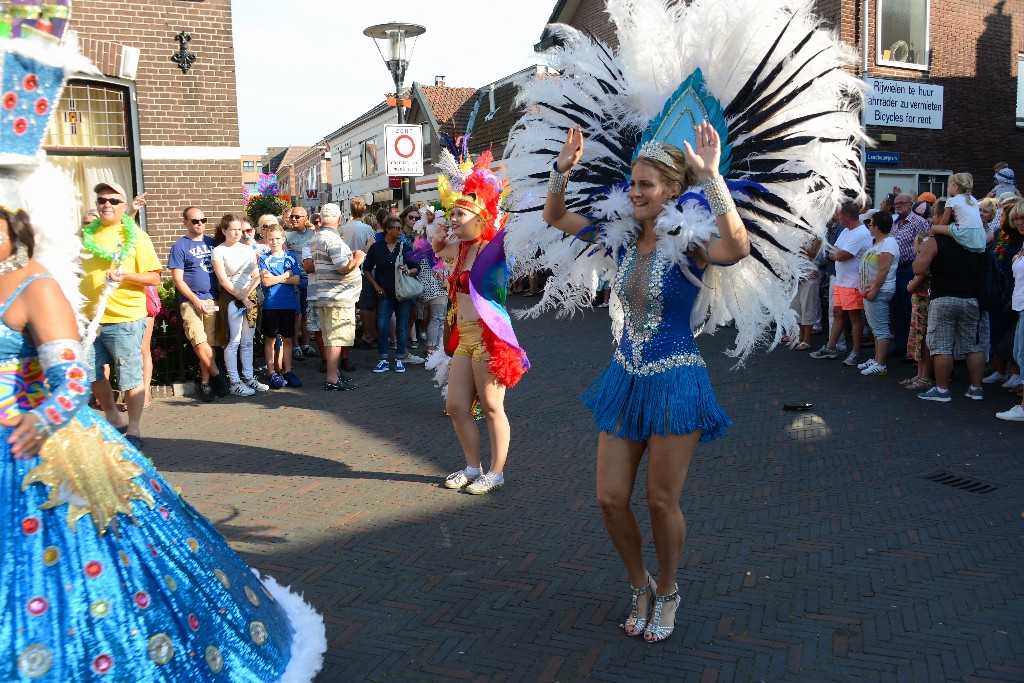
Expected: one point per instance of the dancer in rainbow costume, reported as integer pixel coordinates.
(485, 355)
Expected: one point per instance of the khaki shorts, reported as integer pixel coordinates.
(338, 324)
(471, 342)
(199, 329)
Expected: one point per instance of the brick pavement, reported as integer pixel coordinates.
(817, 550)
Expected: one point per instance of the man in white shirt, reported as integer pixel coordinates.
(853, 241)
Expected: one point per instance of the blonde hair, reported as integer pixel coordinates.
(990, 204)
(268, 216)
(679, 172)
(1016, 211)
(965, 181)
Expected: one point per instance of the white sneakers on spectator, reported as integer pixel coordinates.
(852, 360)
(413, 359)
(486, 483)
(1014, 414)
(240, 389)
(875, 369)
(1012, 382)
(255, 384)
(866, 364)
(996, 376)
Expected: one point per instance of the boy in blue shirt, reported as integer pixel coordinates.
(279, 274)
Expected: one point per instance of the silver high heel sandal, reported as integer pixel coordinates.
(635, 626)
(655, 632)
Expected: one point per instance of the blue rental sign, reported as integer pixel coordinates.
(883, 157)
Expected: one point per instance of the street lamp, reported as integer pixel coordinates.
(393, 35)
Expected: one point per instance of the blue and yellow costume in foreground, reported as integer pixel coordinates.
(657, 382)
(108, 573)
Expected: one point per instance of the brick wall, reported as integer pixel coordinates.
(193, 109)
(173, 185)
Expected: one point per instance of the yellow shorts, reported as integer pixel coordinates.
(471, 342)
(338, 324)
(199, 329)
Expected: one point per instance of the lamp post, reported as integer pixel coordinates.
(394, 35)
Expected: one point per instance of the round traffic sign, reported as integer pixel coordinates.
(409, 144)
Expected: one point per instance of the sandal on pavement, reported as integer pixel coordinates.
(635, 625)
(801, 346)
(920, 383)
(655, 632)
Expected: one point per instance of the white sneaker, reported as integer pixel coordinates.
(413, 359)
(876, 369)
(239, 389)
(1013, 382)
(486, 483)
(255, 384)
(458, 480)
(1015, 414)
(996, 376)
(866, 364)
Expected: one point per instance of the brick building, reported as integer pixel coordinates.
(147, 123)
(967, 55)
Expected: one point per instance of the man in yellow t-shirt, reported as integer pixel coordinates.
(119, 341)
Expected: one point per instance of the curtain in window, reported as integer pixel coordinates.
(86, 172)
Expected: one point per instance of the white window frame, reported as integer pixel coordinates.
(1020, 89)
(345, 167)
(879, 52)
(882, 188)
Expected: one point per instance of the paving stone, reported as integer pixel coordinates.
(816, 550)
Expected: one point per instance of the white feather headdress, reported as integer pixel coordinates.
(789, 112)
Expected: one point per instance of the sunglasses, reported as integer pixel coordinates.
(250, 230)
(297, 215)
(198, 221)
(411, 217)
(100, 201)
(267, 225)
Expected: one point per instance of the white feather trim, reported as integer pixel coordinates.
(309, 642)
(439, 362)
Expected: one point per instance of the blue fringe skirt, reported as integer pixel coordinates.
(677, 401)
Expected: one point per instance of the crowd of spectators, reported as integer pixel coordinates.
(916, 269)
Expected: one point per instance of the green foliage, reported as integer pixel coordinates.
(259, 205)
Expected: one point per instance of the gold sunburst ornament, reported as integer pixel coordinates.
(87, 472)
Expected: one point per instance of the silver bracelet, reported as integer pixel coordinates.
(718, 196)
(557, 180)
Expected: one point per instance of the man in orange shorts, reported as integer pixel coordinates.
(847, 301)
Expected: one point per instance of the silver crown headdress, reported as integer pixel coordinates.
(655, 150)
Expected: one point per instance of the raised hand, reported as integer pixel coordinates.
(709, 151)
(571, 151)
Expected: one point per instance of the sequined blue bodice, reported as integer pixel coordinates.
(21, 378)
(656, 299)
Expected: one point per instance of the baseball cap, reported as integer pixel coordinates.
(110, 185)
(329, 211)
(926, 197)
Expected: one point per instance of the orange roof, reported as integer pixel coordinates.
(450, 106)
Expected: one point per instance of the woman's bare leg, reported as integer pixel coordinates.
(668, 463)
(492, 401)
(461, 392)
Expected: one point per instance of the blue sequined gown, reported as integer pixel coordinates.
(161, 599)
(657, 382)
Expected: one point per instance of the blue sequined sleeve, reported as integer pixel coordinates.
(61, 360)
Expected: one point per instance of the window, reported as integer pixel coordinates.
(370, 158)
(89, 137)
(902, 33)
(346, 167)
(427, 151)
(1020, 90)
(248, 167)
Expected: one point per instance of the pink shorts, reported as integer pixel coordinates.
(847, 298)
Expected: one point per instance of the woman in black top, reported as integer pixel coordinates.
(379, 269)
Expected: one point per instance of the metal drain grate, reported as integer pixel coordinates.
(958, 482)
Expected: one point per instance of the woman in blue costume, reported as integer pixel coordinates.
(110, 574)
(655, 395)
